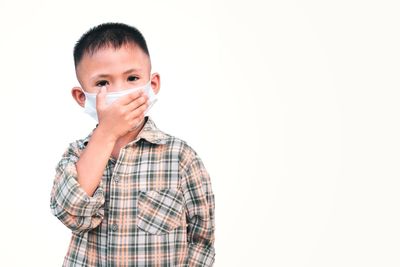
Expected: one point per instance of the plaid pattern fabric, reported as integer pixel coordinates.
(153, 207)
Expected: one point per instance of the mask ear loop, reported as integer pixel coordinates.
(151, 77)
(85, 94)
(150, 92)
(91, 94)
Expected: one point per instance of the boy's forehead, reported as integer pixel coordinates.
(106, 57)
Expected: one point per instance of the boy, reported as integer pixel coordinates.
(131, 194)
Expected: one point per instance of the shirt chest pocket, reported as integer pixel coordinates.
(159, 211)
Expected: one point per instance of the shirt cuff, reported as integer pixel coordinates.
(200, 256)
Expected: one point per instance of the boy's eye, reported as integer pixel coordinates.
(132, 78)
(101, 83)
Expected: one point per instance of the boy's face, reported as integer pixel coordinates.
(117, 69)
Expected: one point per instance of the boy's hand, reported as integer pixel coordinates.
(122, 115)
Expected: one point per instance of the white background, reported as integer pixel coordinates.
(292, 105)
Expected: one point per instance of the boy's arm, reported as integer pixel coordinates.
(200, 206)
(93, 160)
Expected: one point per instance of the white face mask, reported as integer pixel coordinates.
(90, 102)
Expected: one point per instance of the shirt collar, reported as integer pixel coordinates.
(149, 132)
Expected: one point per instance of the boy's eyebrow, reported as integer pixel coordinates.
(132, 70)
(107, 75)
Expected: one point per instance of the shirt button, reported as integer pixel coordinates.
(99, 194)
(114, 227)
(116, 178)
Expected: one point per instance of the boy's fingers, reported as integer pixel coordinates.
(139, 111)
(137, 103)
(101, 97)
(129, 97)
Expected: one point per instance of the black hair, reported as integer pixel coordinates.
(108, 35)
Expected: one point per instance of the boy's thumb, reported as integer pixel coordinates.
(101, 97)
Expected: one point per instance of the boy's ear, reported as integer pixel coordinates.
(155, 82)
(79, 96)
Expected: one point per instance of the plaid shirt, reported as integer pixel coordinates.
(154, 206)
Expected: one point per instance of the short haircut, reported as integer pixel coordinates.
(110, 34)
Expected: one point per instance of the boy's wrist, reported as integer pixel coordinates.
(104, 135)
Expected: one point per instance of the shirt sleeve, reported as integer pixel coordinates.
(199, 202)
(69, 202)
